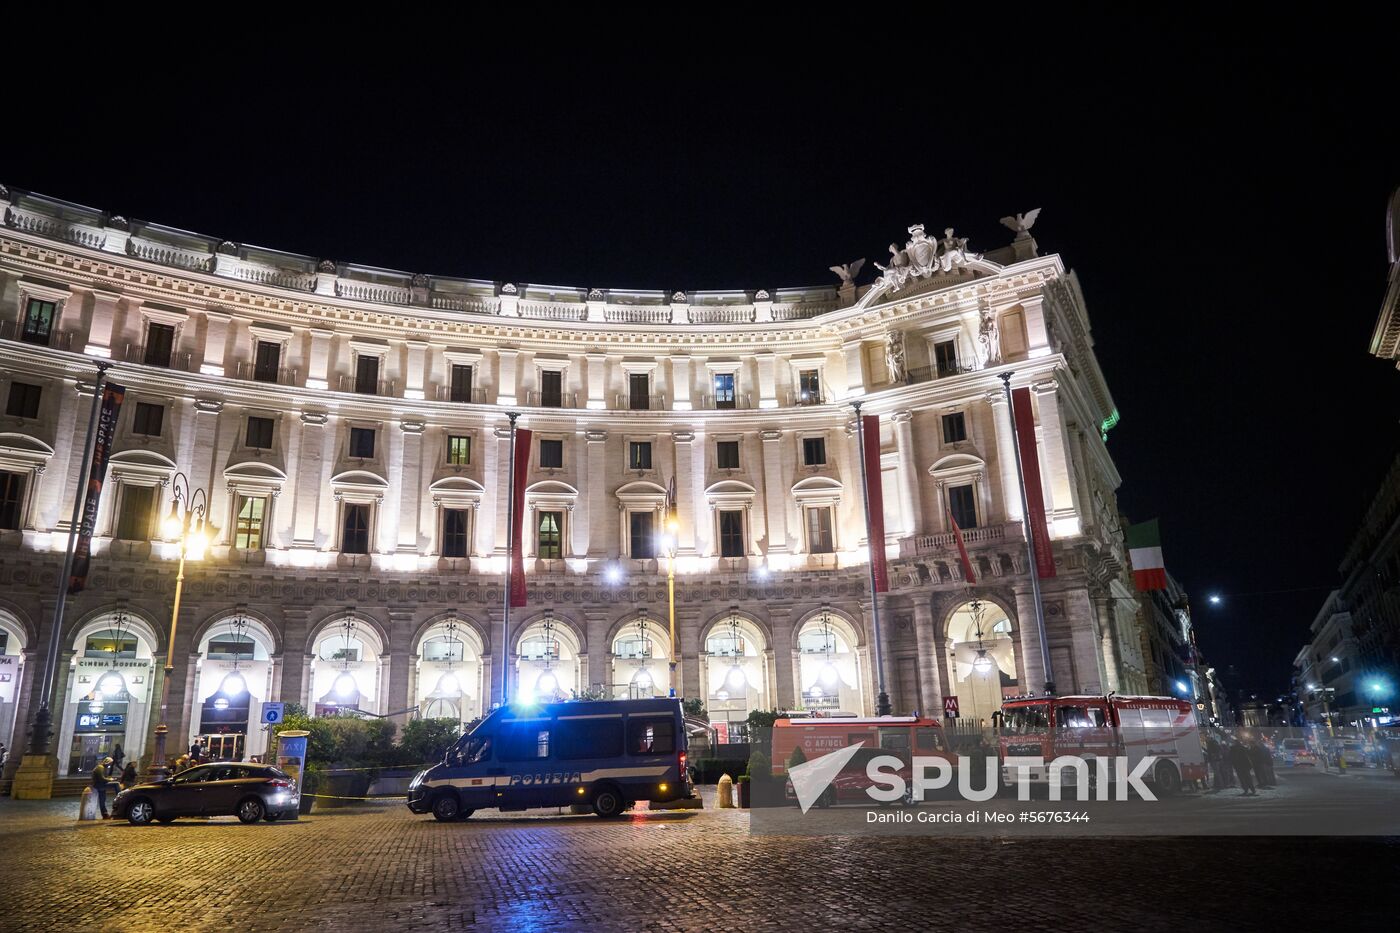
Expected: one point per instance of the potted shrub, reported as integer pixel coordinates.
(744, 787)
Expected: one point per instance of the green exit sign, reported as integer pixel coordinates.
(1380, 709)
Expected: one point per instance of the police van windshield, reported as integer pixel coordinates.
(1020, 720)
(470, 750)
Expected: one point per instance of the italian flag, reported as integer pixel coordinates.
(1145, 554)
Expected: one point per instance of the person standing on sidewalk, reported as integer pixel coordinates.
(129, 775)
(1239, 760)
(101, 783)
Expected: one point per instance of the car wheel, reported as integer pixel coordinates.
(608, 803)
(164, 820)
(251, 810)
(1166, 779)
(446, 807)
(464, 814)
(140, 812)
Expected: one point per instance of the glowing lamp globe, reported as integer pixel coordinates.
(643, 679)
(722, 694)
(828, 674)
(736, 678)
(547, 683)
(95, 706)
(982, 664)
(448, 684)
(221, 703)
(111, 685)
(816, 692)
(233, 684)
(345, 685)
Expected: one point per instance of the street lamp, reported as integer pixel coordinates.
(188, 525)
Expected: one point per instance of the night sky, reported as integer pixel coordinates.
(1222, 204)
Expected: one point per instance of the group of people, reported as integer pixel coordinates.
(102, 777)
(1242, 760)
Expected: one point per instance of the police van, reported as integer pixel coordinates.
(606, 754)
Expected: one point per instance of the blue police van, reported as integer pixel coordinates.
(604, 753)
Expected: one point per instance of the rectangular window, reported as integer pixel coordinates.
(639, 391)
(814, 451)
(945, 357)
(134, 519)
(724, 390)
(876, 369)
(809, 387)
(38, 321)
(642, 536)
(367, 374)
(589, 738)
(362, 442)
(551, 388)
(454, 533)
(24, 400)
(147, 419)
(260, 433)
(731, 533)
(11, 500)
(651, 736)
(524, 742)
(160, 341)
(639, 455)
(954, 428)
(550, 531)
(459, 450)
(354, 538)
(266, 360)
(248, 529)
(963, 505)
(551, 454)
(727, 455)
(819, 539)
(461, 383)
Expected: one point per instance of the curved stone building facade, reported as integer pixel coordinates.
(348, 424)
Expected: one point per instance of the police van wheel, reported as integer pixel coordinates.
(446, 808)
(1166, 780)
(464, 814)
(608, 803)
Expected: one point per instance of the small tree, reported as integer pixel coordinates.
(796, 758)
(695, 708)
(427, 740)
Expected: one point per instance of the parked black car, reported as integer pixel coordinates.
(248, 791)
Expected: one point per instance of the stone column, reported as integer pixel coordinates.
(306, 493)
(501, 491)
(411, 488)
(767, 387)
(908, 472)
(53, 500)
(215, 342)
(680, 383)
(506, 376)
(1029, 645)
(685, 491)
(599, 650)
(927, 642)
(1059, 481)
(1037, 336)
(104, 316)
(595, 495)
(785, 658)
(597, 380)
(319, 359)
(415, 381)
(1112, 661)
(1006, 457)
(775, 491)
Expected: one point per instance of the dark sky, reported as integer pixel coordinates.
(1222, 199)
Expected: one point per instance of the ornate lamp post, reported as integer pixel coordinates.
(187, 523)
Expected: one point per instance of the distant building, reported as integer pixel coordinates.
(1327, 667)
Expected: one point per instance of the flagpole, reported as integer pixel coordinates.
(882, 700)
(41, 730)
(510, 559)
(1030, 539)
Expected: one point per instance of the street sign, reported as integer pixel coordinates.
(950, 707)
(272, 713)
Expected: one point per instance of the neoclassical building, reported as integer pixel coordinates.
(348, 425)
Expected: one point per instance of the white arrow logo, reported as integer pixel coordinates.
(811, 778)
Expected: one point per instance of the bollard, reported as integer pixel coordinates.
(87, 807)
(725, 793)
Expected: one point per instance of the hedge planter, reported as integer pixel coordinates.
(745, 793)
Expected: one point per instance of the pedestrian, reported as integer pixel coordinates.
(196, 751)
(1239, 760)
(1215, 758)
(182, 763)
(118, 757)
(101, 783)
(1263, 763)
(129, 775)
(4, 755)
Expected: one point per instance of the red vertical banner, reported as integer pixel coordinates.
(1035, 494)
(112, 396)
(962, 551)
(875, 498)
(517, 518)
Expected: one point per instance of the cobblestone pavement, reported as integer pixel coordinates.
(379, 867)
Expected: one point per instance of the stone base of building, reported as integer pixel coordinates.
(34, 779)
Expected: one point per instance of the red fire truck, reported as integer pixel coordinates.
(901, 736)
(1109, 726)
